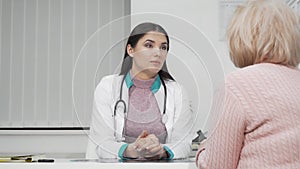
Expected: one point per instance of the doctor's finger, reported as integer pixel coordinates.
(144, 147)
(143, 134)
(149, 145)
(140, 143)
(154, 148)
(146, 144)
(155, 155)
(152, 136)
(152, 141)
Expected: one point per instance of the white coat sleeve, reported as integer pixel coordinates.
(101, 142)
(181, 135)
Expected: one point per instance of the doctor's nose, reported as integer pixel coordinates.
(157, 52)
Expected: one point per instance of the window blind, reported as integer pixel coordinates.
(50, 51)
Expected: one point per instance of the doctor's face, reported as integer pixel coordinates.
(148, 55)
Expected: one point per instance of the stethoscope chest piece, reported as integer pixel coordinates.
(164, 119)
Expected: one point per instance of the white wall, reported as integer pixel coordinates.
(197, 58)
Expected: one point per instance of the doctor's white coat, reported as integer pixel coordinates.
(179, 123)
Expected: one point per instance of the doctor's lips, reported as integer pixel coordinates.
(155, 62)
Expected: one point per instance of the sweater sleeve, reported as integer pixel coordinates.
(225, 141)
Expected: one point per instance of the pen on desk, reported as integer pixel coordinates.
(44, 160)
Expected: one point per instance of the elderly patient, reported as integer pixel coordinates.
(258, 108)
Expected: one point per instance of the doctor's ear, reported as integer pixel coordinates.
(130, 50)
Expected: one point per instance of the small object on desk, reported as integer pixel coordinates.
(15, 159)
(196, 142)
(199, 138)
(24, 158)
(45, 160)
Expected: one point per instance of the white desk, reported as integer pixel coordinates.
(71, 164)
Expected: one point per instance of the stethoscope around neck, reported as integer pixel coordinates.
(122, 102)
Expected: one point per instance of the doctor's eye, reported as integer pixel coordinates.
(148, 45)
(164, 47)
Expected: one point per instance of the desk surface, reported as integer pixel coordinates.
(104, 164)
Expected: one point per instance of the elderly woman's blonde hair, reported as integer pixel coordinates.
(264, 31)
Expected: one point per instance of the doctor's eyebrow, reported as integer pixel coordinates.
(152, 41)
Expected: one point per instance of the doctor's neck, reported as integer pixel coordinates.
(143, 75)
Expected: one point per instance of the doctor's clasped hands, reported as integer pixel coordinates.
(146, 146)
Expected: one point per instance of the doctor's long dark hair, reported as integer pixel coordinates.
(136, 34)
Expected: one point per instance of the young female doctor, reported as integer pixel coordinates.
(142, 112)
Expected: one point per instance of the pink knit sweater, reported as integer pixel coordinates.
(259, 121)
